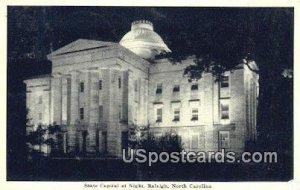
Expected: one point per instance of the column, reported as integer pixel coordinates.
(74, 98)
(65, 100)
(93, 110)
(74, 111)
(56, 100)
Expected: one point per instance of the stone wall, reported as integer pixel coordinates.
(38, 100)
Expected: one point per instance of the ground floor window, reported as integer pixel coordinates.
(65, 142)
(125, 141)
(224, 140)
(159, 115)
(195, 141)
(81, 113)
(104, 141)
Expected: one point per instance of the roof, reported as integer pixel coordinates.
(38, 77)
(80, 45)
(143, 40)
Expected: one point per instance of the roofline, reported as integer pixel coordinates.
(38, 77)
(55, 54)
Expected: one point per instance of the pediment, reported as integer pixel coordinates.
(80, 45)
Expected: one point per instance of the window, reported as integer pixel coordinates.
(176, 88)
(159, 88)
(124, 141)
(40, 116)
(224, 139)
(120, 82)
(159, 115)
(224, 81)
(120, 112)
(135, 86)
(81, 113)
(194, 114)
(65, 141)
(194, 141)
(100, 84)
(81, 87)
(176, 114)
(40, 99)
(100, 113)
(104, 141)
(224, 110)
(194, 87)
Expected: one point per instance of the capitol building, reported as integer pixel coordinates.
(97, 88)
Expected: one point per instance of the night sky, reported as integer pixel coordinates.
(225, 35)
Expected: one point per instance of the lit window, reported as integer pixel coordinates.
(176, 88)
(159, 115)
(159, 88)
(224, 139)
(224, 81)
(194, 114)
(81, 87)
(176, 114)
(224, 110)
(120, 82)
(194, 87)
(100, 84)
(81, 113)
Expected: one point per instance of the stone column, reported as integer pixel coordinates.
(65, 100)
(131, 96)
(94, 100)
(87, 97)
(74, 111)
(112, 112)
(56, 99)
(93, 110)
(124, 103)
(146, 100)
(215, 100)
(74, 98)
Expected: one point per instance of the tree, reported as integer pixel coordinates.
(36, 139)
(140, 137)
(40, 138)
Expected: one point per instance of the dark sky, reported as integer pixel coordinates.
(32, 30)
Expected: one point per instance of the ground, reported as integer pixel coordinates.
(49, 169)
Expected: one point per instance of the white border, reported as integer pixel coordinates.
(294, 184)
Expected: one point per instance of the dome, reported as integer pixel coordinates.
(144, 41)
